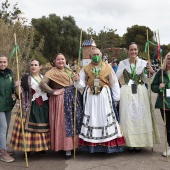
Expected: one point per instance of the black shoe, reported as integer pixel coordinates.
(43, 153)
(137, 150)
(67, 157)
(131, 149)
(28, 155)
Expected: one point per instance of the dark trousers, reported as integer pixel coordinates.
(167, 114)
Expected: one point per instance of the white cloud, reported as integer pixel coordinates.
(115, 14)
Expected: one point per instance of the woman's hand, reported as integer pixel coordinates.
(76, 77)
(149, 68)
(18, 87)
(59, 92)
(162, 85)
(17, 83)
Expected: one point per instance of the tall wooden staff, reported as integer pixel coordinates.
(149, 77)
(163, 93)
(20, 105)
(75, 100)
(156, 138)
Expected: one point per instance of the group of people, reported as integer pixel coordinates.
(48, 106)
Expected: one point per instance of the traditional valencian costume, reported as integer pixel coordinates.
(36, 118)
(62, 108)
(136, 120)
(100, 131)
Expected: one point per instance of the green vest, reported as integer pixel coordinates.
(128, 76)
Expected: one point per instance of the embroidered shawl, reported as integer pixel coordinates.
(59, 76)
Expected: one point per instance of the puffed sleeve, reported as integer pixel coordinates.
(114, 84)
(120, 69)
(82, 82)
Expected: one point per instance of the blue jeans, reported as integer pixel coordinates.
(5, 118)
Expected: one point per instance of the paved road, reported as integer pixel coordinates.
(98, 161)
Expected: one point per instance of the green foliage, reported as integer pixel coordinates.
(143, 55)
(53, 34)
(138, 34)
(61, 35)
(108, 38)
(40, 58)
(10, 17)
(10, 23)
(122, 54)
(24, 38)
(165, 49)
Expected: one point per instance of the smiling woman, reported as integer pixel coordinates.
(135, 113)
(6, 105)
(160, 84)
(3, 62)
(35, 115)
(58, 82)
(60, 61)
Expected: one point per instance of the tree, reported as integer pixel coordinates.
(25, 37)
(165, 49)
(10, 23)
(137, 34)
(9, 17)
(122, 54)
(60, 35)
(107, 38)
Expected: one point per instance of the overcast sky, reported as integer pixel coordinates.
(114, 14)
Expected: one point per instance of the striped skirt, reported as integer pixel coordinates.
(61, 120)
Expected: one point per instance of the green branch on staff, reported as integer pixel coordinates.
(14, 50)
(146, 45)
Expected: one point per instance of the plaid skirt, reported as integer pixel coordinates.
(34, 141)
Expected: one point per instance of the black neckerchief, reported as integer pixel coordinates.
(3, 73)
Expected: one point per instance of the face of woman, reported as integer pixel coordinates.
(133, 51)
(60, 61)
(3, 63)
(168, 61)
(35, 67)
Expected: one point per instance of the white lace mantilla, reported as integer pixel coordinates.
(38, 91)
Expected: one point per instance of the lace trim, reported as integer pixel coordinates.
(38, 91)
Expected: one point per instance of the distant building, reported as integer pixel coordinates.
(87, 45)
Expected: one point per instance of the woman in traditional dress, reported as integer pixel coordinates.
(100, 131)
(134, 110)
(58, 82)
(35, 114)
(158, 87)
